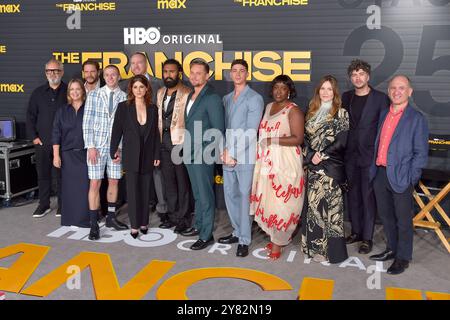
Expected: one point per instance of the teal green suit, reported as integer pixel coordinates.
(208, 112)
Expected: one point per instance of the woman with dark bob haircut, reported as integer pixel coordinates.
(276, 199)
(136, 120)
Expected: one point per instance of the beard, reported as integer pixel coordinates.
(360, 86)
(170, 83)
(91, 80)
(54, 82)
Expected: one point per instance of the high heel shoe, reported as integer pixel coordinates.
(275, 255)
(143, 230)
(268, 247)
(134, 235)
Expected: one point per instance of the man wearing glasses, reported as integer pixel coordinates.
(44, 102)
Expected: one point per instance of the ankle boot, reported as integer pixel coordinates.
(94, 233)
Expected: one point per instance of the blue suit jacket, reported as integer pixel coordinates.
(408, 150)
(242, 120)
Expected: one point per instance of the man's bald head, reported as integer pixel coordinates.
(399, 90)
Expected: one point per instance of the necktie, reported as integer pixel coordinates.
(111, 102)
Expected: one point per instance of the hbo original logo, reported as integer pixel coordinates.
(141, 35)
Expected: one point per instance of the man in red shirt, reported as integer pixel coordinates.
(401, 151)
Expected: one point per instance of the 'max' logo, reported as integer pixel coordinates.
(9, 8)
(11, 87)
(171, 4)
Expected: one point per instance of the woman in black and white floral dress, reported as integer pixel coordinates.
(326, 129)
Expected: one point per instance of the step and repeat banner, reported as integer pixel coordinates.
(304, 39)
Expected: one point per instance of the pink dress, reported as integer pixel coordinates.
(278, 190)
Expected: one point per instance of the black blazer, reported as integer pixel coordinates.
(126, 125)
(361, 138)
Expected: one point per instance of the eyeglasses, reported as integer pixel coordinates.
(54, 71)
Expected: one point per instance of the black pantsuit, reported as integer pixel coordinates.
(140, 148)
(396, 213)
(361, 201)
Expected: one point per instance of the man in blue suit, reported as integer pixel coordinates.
(243, 111)
(204, 121)
(401, 151)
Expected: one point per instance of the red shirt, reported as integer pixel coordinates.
(387, 131)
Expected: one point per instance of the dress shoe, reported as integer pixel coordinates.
(384, 256)
(143, 230)
(365, 247)
(352, 238)
(190, 232)
(166, 225)
(112, 222)
(94, 233)
(242, 250)
(200, 244)
(180, 228)
(230, 239)
(398, 266)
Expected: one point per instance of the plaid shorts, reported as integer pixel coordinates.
(97, 171)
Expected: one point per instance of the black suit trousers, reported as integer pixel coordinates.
(361, 201)
(177, 189)
(138, 194)
(44, 167)
(396, 213)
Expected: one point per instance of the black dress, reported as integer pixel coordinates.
(68, 133)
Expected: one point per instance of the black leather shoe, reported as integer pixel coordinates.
(180, 228)
(143, 230)
(94, 233)
(398, 266)
(384, 256)
(242, 250)
(112, 222)
(200, 244)
(352, 238)
(166, 225)
(134, 235)
(365, 247)
(229, 239)
(190, 232)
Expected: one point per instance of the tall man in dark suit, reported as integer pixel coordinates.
(171, 102)
(401, 153)
(204, 111)
(44, 102)
(364, 105)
